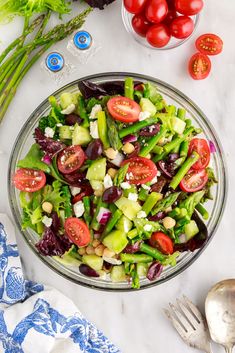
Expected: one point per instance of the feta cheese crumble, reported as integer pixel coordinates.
(49, 132)
(108, 181)
(94, 129)
(146, 187)
(153, 181)
(144, 115)
(75, 190)
(78, 208)
(125, 185)
(141, 214)
(132, 196)
(97, 108)
(47, 221)
(148, 227)
(158, 173)
(70, 109)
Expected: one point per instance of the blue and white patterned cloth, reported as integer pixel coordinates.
(38, 319)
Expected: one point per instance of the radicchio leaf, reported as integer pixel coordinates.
(100, 4)
(47, 144)
(51, 243)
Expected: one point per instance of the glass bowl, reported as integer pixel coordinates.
(216, 207)
(173, 43)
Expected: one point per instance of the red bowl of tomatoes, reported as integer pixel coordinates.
(161, 24)
(215, 207)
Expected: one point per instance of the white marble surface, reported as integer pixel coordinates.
(135, 321)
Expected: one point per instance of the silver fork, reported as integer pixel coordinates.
(190, 324)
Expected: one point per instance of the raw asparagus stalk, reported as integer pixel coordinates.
(152, 143)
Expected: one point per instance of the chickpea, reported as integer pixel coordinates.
(169, 222)
(128, 148)
(95, 243)
(90, 250)
(47, 207)
(111, 153)
(108, 253)
(81, 251)
(112, 172)
(99, 250)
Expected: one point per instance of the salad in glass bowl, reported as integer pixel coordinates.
(115, 180)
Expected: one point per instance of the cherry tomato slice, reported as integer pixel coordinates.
(158, 35)
(29, 180)
(70, 159)
(141, 170)
(156, 10)
(134, 6)
(201, 147)
(162, 242)
(199, 66)
(194, 180)
(189, 7)
(124, 109)
(209, 44)
(140, 24)
(182, 27)
(77, 231)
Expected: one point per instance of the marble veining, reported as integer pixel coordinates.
(135, 321)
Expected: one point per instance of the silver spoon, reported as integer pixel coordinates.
(220, 313)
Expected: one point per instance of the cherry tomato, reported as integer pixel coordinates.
(70, 159)
(199, 66)
(189, 7)
(141, 170)
(172, 14)
(140, 24)
(77, 231)
(156, 10)
(201, 147)
(158, 35)
(134, 6)
(162, 242)
(194, 180)
(182, 27)
(29, 180)
(124, 109)
(209, 44)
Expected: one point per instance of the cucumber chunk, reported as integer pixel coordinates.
(191, 229)
(147, 106)
(116, 241)
(128, 207)
(68, 98)
(178, 125)
(117, 274)
(124, 224)
(80, 136)
(65, 132)
(97, 170)
(142, 269)
(94, 261)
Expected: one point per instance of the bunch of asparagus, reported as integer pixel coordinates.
(17, 59)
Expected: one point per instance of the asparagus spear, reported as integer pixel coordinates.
(156, 254)
(177, 141)
(129, 88)
(82, 111)
(152, 143)
(136, 258)
(113, 136)
(121, 174)
(103, 129)
(165, 203)
(151, 201)
(111, 223)
(184, 169)
(56, 34)
(137, 126)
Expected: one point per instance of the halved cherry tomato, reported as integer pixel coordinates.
(189, 7)
(70, 159)
(209, 44)
(162, 242)
(156, 10)
(134, 6)
(141, 170)
(199, 66)
(158, 35)
(182, 27)
(29, 180)
(140, 24)
(77, 231)
(194, 180)
(124, 109)
(201, 147)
